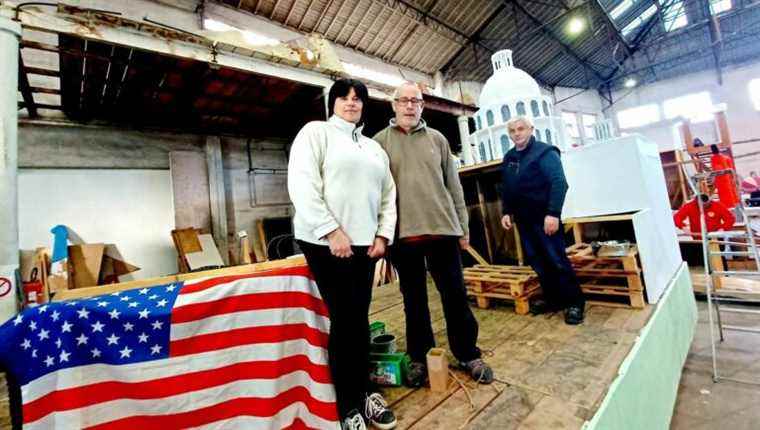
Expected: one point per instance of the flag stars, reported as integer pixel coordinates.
(161, 303)
(125, 353)
(128, 326)
(34, 353)
(49, 361)
(153, 296)
(32, 325)
(95, 353)
(97, 327)
(83, 313)
(64, 356)
(82, 339)
(157, 325)
(55, 315)
(102, 304)
(42, 308)
(113, 339)
(74, 303)
(170, 288)
(143, 338)
(118, 293)
(144, 291)
(18, 320)
(125, 299)
(66, 327)
(144, 313)
(133, 304)
(114, 314)
(26, 344)
(58, 343)
(155, 349)
(43, 334)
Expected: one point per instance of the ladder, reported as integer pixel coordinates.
(716, 298)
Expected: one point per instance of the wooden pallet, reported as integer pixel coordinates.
(513, 283)
(610, 276)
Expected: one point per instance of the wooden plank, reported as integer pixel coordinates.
(479, 258)
(131, 285)
(602, 218)
(482, 205)
(716, 263)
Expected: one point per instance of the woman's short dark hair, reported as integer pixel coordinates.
(714, 149)
(341, 88)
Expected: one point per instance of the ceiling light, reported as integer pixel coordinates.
(576, 25)
(214, 25)
(630, 83)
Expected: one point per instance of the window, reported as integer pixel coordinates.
(490, 150)
(489, 118)
(504, 144)
(520, 108)
(482, 151)
(534, 109)
(674, 16)
(754, 92)
(620, 9)
(549, 137)
(571, 124)
(638, 116)
(639, 20)
(589, 121)
(505, 113)
(697, 107)
(719, 6)
(546, 108)
(478, 121)
(538, 135)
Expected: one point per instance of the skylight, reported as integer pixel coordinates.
(674, 17)
(644, 17)
(620, 9)
(718, 6)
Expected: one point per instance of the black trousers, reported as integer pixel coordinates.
(547, 256)
(444, 261)
(346, 288)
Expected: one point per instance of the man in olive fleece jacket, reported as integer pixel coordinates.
(432, 229)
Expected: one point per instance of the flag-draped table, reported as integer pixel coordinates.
(230, 351)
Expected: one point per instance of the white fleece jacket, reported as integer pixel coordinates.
(339, 178)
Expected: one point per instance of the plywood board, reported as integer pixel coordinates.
(207, 257)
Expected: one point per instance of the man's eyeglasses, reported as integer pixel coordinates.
(404, 101)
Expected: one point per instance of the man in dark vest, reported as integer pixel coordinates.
(533, 192)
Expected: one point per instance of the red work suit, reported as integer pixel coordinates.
(718, 217)
(725, 183)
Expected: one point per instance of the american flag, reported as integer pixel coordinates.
(232, 352)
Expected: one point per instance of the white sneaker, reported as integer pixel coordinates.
(377, 412)
(353, 421)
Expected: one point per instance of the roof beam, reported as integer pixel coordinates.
(474, 38)
(612, 27)
(715, 38)
(550, 34)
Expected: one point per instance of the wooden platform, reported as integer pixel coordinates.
(549, 375)
(608, 276)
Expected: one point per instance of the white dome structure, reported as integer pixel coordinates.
(508, 93)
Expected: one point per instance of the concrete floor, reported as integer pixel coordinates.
(702, 404)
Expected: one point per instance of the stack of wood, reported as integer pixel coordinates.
(517, 284)
(614, 277)
(607, 279)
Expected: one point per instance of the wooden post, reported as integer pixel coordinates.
(578, 233)
(716, 263)
(518, 245)
(482, 204)
(635, 289)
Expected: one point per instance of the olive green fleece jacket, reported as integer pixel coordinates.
(429, 194)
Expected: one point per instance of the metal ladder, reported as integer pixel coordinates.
(716, 297)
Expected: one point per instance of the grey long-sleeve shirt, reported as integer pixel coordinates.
(430, 196)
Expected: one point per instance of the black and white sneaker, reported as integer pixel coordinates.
(377, 412)
(354, 421)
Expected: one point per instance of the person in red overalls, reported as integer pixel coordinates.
(724, 183)
(718, 217)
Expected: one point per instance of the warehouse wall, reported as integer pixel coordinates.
(743, 118)
(52, 146)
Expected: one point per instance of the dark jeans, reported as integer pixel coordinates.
(346, 288)
(444, 262)
(547, 256)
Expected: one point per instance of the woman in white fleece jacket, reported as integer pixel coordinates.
(345, 200)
